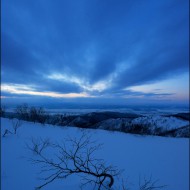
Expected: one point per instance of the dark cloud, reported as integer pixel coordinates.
(58, 86)
(134, 42)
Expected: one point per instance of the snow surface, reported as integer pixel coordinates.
(166, 159)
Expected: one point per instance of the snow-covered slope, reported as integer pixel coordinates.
(166, 159)
(167, 123)
(151, 124)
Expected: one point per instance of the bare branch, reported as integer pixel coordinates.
(149, 184)
(77, 156)
(38, 145)
(16, 124)
(6, 132)
(74, 156)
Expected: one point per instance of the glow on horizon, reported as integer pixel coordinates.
(179, 86)
(22, 89)
(172, 89)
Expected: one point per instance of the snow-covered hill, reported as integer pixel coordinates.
(167, 123)
(166, 159)
(151, 124)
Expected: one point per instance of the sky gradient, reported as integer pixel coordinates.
(103, 51)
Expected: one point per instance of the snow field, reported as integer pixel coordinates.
(166, 159)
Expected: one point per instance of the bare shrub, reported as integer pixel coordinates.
(23, 112)
(6, 132)
(42, 115)
(77, 159)
(38, 145)
(77, 156)
(16, 124)
(145, 184)
(33, 114)
(149, 184)
(38, 115)
(2, 111)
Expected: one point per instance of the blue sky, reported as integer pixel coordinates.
(125, 51)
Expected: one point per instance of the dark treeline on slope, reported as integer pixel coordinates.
(112, 121)
(26, 113)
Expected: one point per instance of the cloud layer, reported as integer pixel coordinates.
(97, 47)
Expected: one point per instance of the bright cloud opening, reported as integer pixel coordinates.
(22, 89)
(98, 86)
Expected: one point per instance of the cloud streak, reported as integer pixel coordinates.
(21, 89)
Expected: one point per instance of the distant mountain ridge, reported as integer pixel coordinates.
(175, 125)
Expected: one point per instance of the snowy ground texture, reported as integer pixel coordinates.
(163, 158)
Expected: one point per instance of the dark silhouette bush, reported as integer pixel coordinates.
(32, 114)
